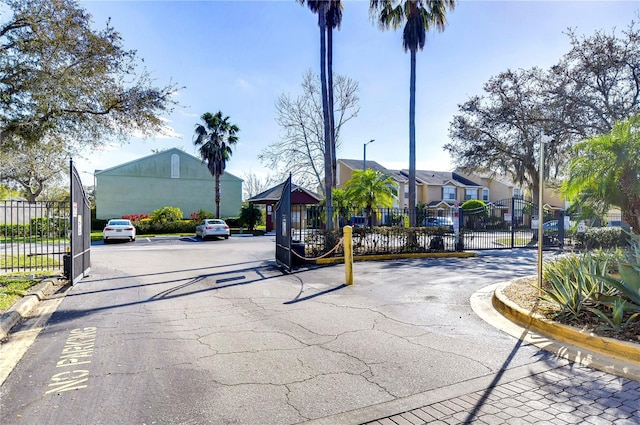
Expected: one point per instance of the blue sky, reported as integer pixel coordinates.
(239, 56)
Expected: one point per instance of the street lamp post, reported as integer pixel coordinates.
(364, 157)
(544, 139)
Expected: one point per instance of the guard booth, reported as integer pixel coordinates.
(299, 200)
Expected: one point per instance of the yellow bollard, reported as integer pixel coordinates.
(348, 255)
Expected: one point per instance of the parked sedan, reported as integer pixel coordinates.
(212, 227)
(119, 229)
(446, 222)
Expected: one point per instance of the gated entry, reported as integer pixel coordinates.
(47, 235)
(78, 262)
(510, 223)
(283, 227)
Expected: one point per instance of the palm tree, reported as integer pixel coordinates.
(334, 19)
(215, 136)
(341, 205)
(418, 17)
(320, 7)
(250, 215)
(371, 188)
(606, 169)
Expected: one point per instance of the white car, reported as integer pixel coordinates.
(212, 227)
(119, 228)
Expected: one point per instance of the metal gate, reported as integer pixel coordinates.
(283, 225)
(510, 223)
(78, 262)
(33, 235)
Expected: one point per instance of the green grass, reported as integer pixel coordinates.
(14, 286)
(32, 239)
(516, 241)
(37, 261)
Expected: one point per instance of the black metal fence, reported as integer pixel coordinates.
(33, 236)
(512, 223)
(507, 224)
(375, 231)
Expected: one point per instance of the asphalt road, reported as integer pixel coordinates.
(191, 332)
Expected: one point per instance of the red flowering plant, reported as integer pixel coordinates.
(135, 218)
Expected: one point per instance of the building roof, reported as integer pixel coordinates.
(275, 193)
(167, 152)
(490, 175)
(434, 178)
(441, 178)
(447, 203)
(356, 164)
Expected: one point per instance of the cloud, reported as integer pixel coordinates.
(244, 85)
(166, 132)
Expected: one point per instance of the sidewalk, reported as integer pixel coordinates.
(567, 395)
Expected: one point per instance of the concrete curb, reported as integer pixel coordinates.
(332, 260)
(606, 354)
(21, 309)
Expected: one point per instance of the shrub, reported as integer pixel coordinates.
(201, 214)
(98, 224)
(233, 221)
(166, 214)
(50, 227)
(250, 215)
(475, 207)
(135, 217)
(150, 227)
(602, 238)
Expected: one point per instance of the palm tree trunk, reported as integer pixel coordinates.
(217, 195)
(328, 168)
(331, 107)
(631, 211)
(412, 141)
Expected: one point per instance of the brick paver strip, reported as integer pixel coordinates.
(453, 406)
(462, 404)
(433, 412)
(423, 415)
(399, 420)
(444, 409)
(413, 419)
(567, 395)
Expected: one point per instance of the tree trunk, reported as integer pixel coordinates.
(331, 107)
(412, 141)
(217, 178)
(328, 160)
(631, 210)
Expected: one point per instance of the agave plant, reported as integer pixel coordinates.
(566, 293)
(616, 323)
(628, 282)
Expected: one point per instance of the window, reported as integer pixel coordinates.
(485, 194)
(175, 166)
(470, 194)
(517, 193)
(448, 192)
